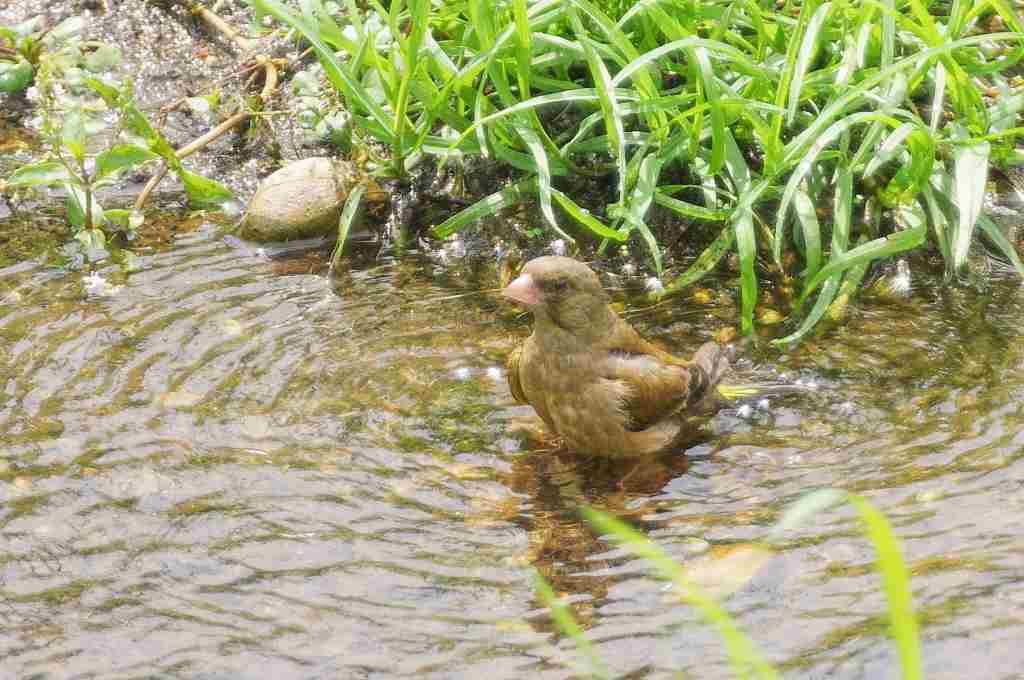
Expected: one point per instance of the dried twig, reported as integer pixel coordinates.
(269, 85)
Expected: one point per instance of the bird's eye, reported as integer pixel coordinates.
(559, 286)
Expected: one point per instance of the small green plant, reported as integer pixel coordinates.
(744, 656)
(20, 47)
(76, 95)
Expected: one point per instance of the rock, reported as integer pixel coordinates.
(302, 200)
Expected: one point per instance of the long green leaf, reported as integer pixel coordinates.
(710, 91)
(348, 216)
(594, 225)
(872, 250)
(640, 202)
(567, 623)
(843, 212)
(44, 173)
(970, 165)
(509, 196)
(705, 262)
(807, 51)
(540, 158)
(807, 215)
(746, 247)
(718, 49)
(691, 210)
(121, 156)
(998, 238)
(335, 70)
(606, 96)
(891, 565)
(896, 579)
(744, 657)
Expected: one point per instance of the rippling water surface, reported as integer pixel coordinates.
(226, 470)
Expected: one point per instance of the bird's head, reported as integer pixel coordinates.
(562, 291)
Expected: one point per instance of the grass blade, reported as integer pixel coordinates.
(606, 96)
(567, 623)
(745, 658)
(891, 565)
(998, 238)
(705, 262)
(806, 53)
(348, 216)
(811, 230)
(843, 212)
(970, 167)
(710, 91)
(940, 224)
(686, 209)
(594, 225)
(640, 203)
(746, 247)
(896, 580)
(540, 158)
(872, 250)
(509, 196)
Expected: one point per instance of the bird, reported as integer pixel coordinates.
(600, 387)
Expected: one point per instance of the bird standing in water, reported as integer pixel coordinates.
(590, 376)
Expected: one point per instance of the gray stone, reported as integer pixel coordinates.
(301, 200)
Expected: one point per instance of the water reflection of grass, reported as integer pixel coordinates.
(744, 656)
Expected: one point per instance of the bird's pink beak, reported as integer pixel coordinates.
(523, 290)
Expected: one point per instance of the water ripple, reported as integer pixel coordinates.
(220, 471)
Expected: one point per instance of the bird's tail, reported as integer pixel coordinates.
(754, 390)
(714, 360)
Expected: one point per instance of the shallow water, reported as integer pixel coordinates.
(221, 470)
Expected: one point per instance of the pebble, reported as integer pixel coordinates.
(695, 546)
(231, 327)
(97, 286)
(179, 399)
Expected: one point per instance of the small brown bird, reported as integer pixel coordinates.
(590, 376)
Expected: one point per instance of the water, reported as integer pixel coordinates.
(227, 468)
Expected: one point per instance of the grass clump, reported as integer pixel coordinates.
(815, 138)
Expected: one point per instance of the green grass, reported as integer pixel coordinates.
(811, 139)
(745, 658)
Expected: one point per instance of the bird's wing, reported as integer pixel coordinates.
(512, 374)
(659, 384)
